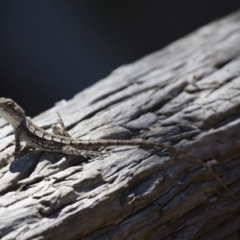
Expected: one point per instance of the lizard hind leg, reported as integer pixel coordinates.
(62, 131)
(77, 152)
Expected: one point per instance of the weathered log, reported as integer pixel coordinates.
(185, 95)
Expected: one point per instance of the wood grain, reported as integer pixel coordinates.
(185, 95)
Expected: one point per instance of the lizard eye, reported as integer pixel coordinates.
(10, 104)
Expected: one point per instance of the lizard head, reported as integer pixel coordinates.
(11, 112)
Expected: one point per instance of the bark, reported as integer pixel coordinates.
(185, 95)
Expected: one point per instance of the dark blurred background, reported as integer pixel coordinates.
(51, 50)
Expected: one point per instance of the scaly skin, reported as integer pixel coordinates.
(26, 130)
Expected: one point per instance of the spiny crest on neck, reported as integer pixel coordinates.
(11, 112)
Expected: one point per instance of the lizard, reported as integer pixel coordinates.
(60, 140)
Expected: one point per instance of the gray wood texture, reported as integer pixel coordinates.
(185, 95)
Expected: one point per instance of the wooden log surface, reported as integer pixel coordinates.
(185, 95)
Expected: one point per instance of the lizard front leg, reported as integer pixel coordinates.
(17, 150)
